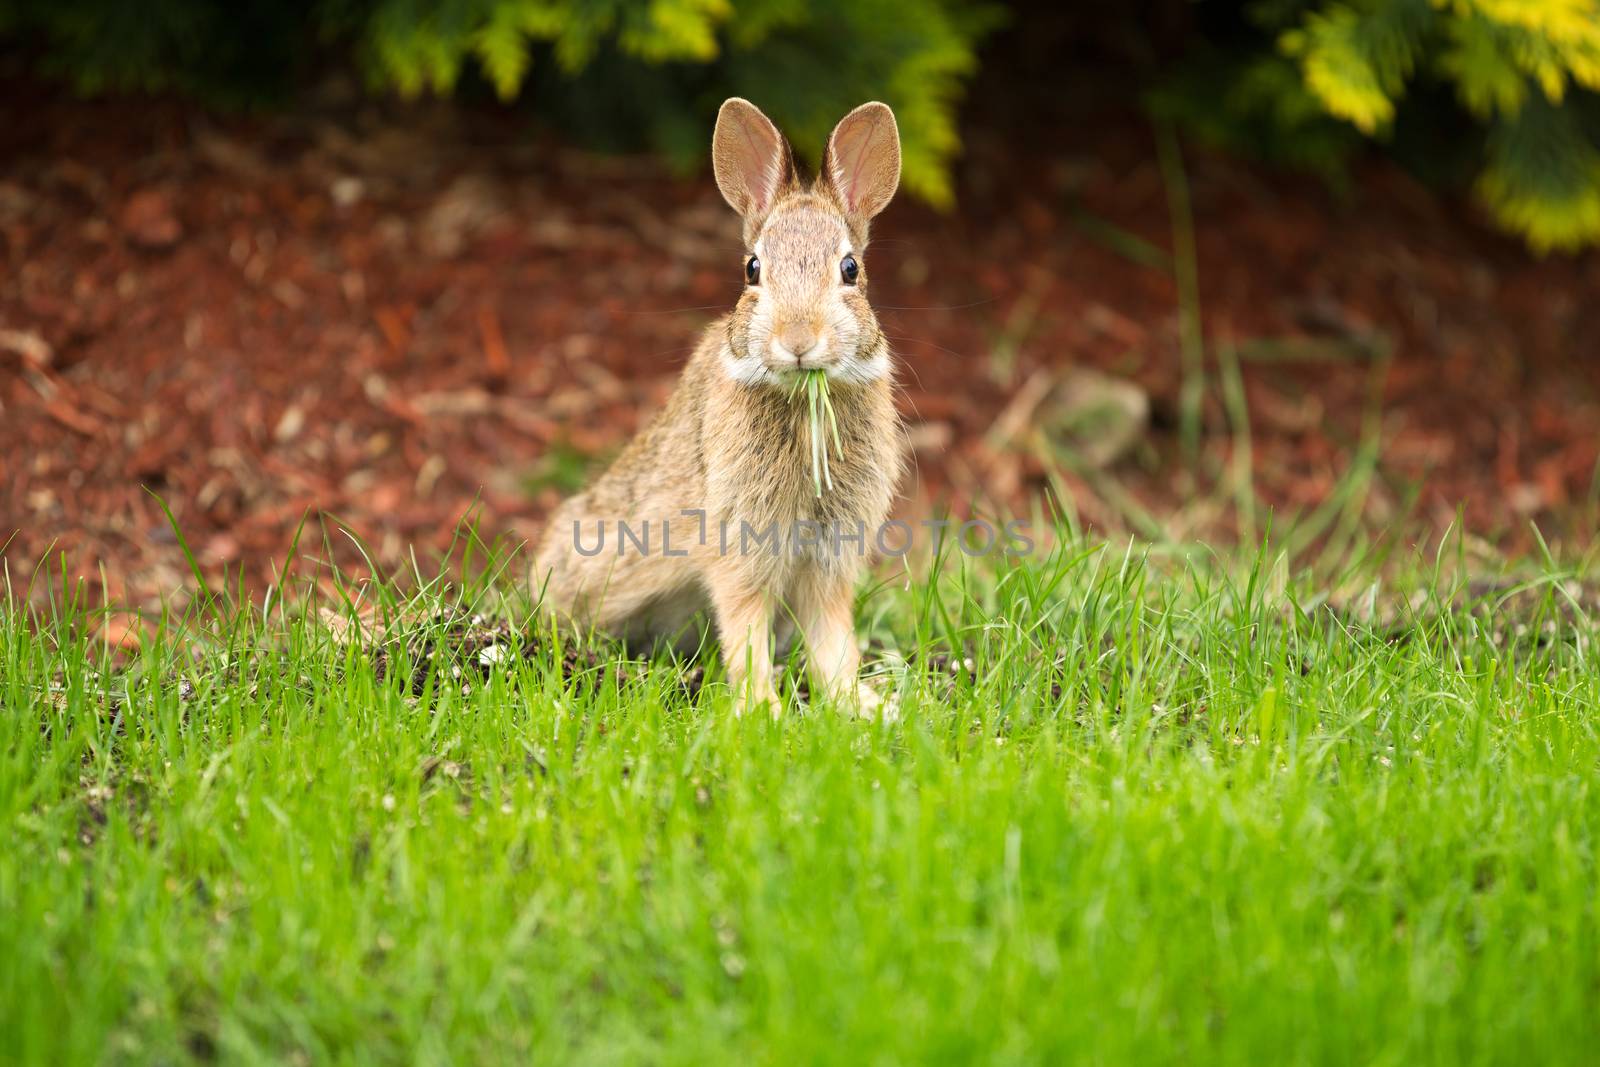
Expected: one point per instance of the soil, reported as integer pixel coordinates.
(385, 318)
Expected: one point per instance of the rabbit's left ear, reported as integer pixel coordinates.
(862, 161)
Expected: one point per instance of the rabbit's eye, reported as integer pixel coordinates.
(752, 271)
(849, 269)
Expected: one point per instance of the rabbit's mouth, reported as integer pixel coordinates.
(789, 370)
(785, 375)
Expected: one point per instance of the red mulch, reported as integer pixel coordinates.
(394, 315)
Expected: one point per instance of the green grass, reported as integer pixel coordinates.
(823, 427)
(1174, 813)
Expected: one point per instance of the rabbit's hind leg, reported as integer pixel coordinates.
(672, 620)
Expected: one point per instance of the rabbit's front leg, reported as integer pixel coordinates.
(744, 626)
(824, 604)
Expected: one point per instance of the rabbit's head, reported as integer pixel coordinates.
(804, 305)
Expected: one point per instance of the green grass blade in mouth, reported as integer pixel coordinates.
(821, 423)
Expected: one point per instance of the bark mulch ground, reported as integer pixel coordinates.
(391, 316)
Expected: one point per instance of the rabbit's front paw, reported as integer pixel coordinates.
(754, 699)
(870, 704)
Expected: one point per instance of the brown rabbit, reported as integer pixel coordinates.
(716, 492)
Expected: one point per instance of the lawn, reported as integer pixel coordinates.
(1177, 809)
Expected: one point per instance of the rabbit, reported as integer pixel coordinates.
(729, 458)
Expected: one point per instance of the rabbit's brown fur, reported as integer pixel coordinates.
(732, 447)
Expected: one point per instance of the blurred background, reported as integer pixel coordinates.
(1187, 269)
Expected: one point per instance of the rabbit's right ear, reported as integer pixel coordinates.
(750, 158)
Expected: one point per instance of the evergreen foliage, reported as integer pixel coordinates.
(660, 66)
(1525, 71)
(1305, 82)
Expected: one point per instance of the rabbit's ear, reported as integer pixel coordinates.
(862, 162)
(750, 158)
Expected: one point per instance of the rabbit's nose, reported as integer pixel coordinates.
(798, 338)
